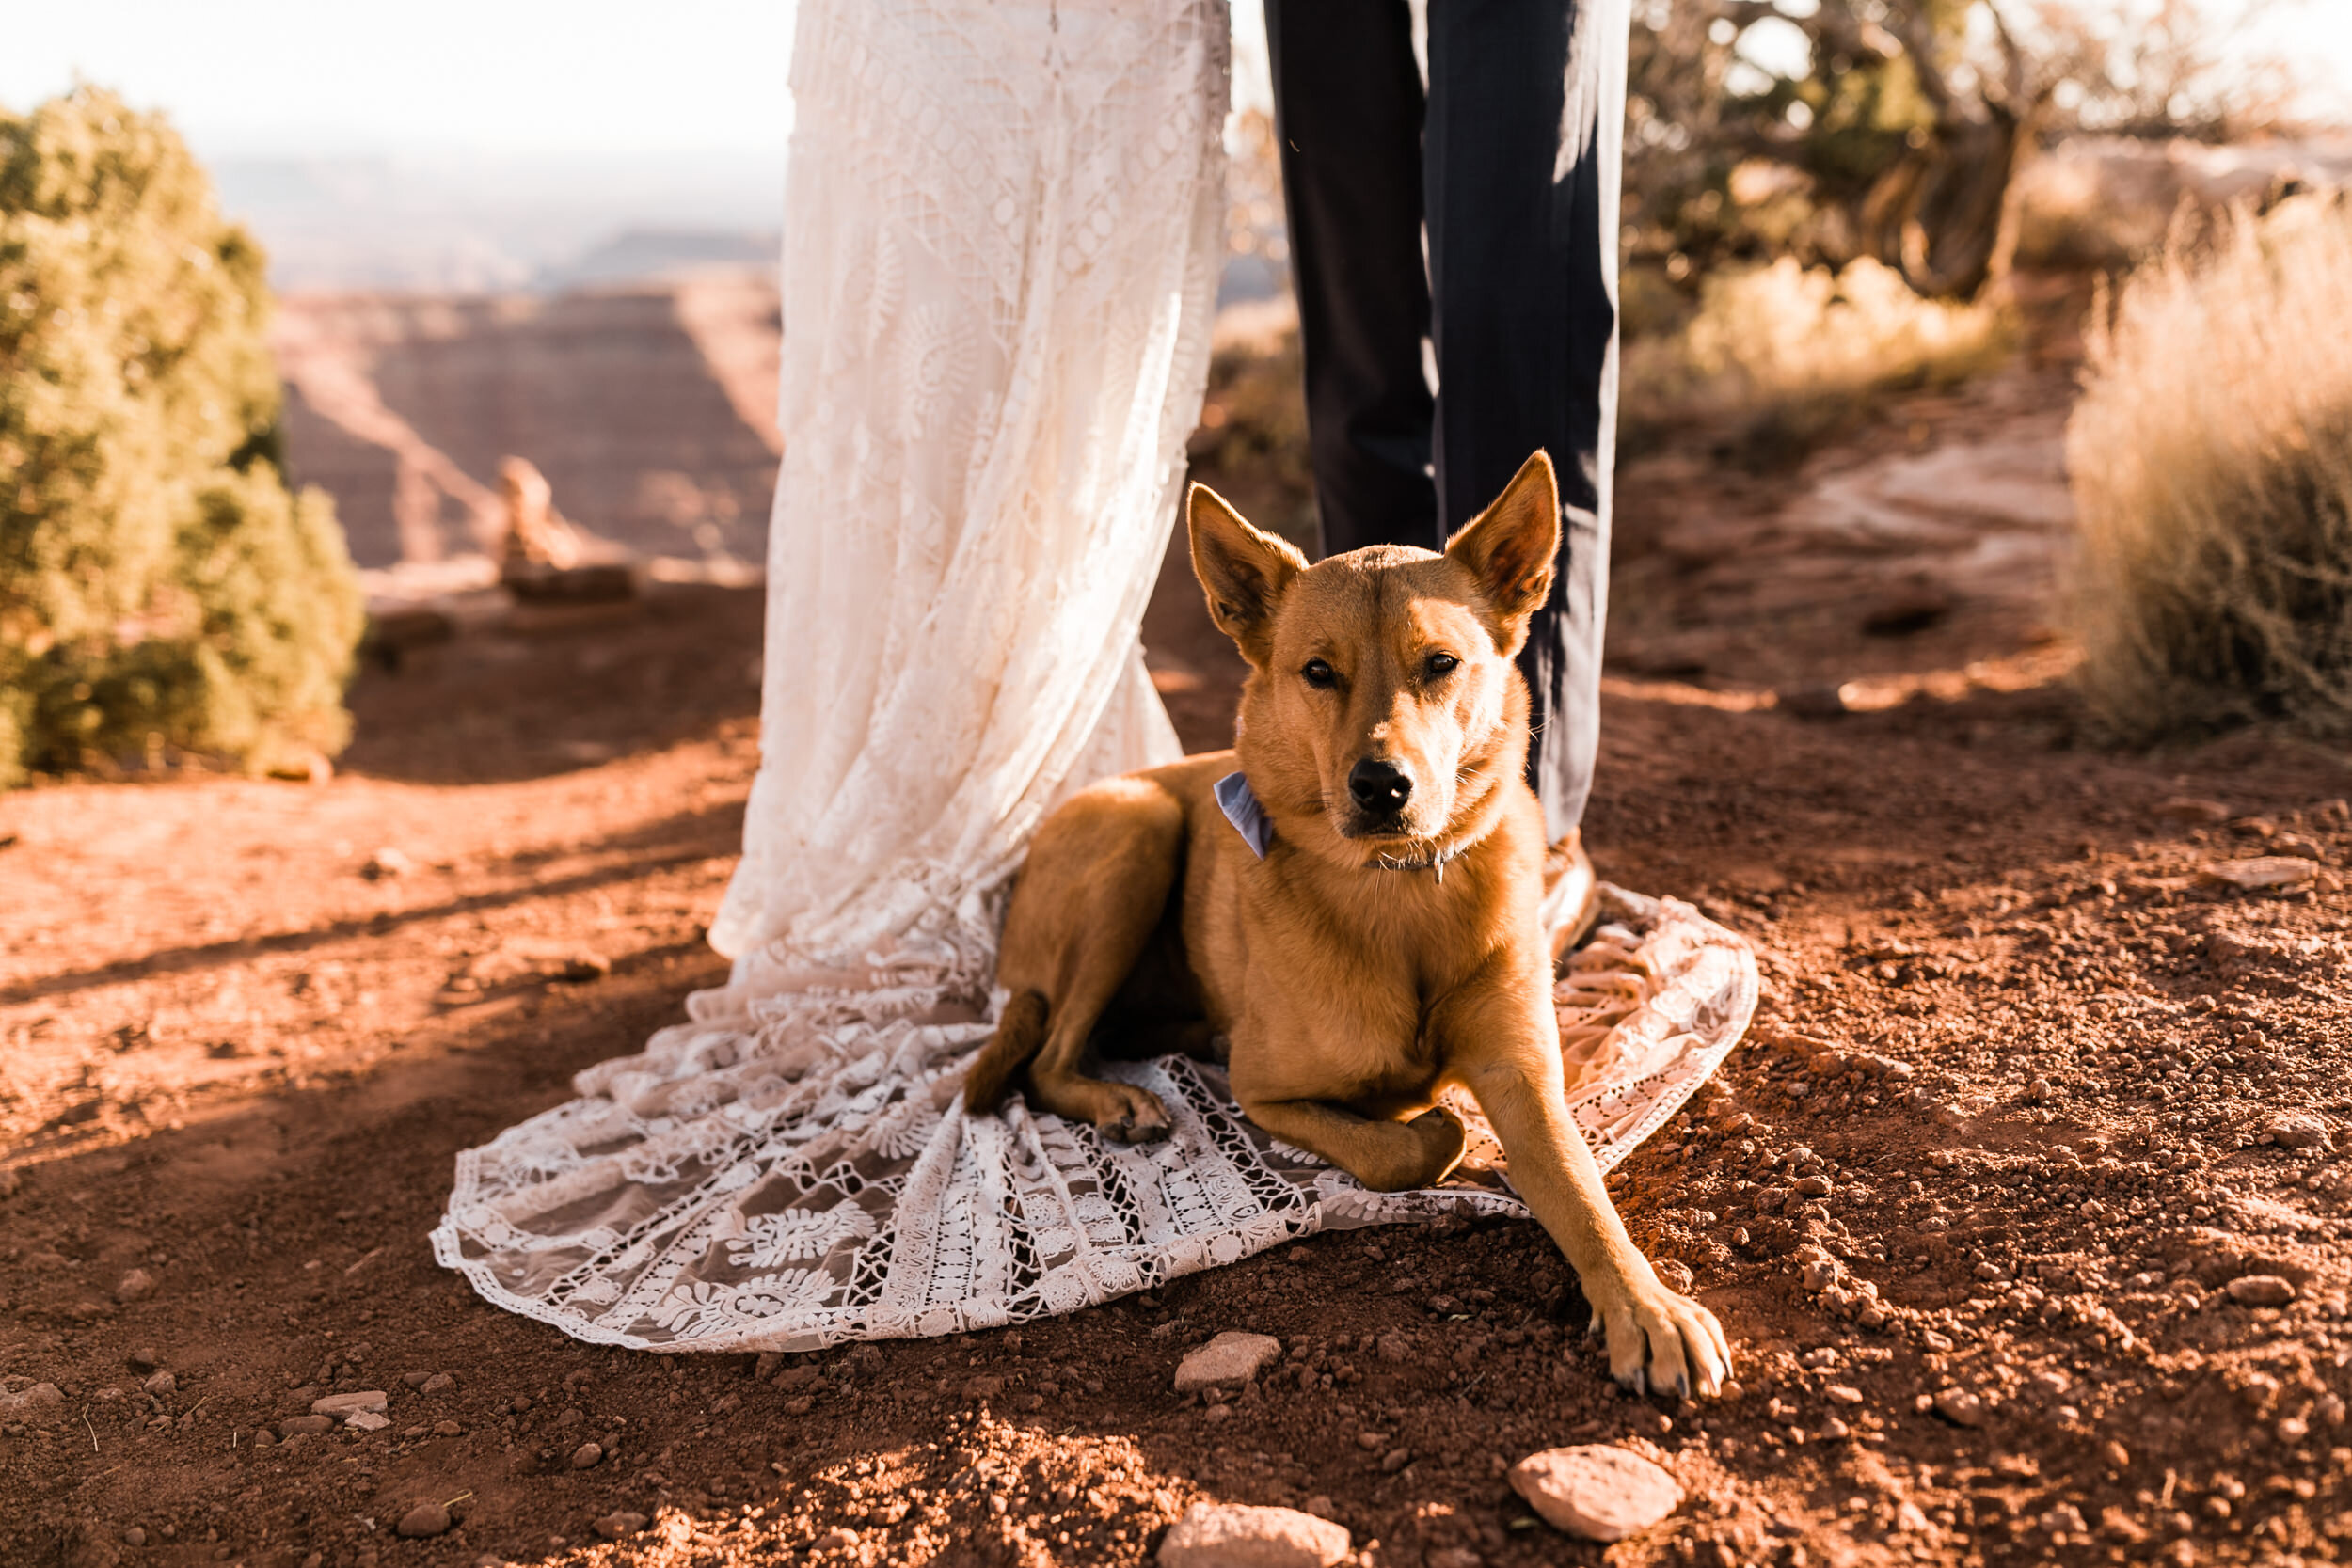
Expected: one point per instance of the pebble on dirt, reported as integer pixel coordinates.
(422, 1520)
(615, 1526)
(2296, 1130)
(41, 1396)
(585, 1456)
(1595, 1491)
(1235, 1535)
(138, 1285)
(2261, 1290)
(387, 862)
(1960, 1407)
(1227, 1361)
(2258, 873)
(344, 1406)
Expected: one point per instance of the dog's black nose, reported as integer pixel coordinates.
(1379, 785)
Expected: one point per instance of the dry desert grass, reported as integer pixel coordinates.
(2211, 456)
(1788, 355)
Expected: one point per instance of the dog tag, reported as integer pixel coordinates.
(1239, 803)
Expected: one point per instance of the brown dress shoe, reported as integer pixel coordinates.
(1571, 893)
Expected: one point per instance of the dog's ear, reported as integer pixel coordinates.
(1510, 546)
(1242, 569)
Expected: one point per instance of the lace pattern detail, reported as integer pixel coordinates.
(848, 1195)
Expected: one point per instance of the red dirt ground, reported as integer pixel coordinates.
(2014, 1118)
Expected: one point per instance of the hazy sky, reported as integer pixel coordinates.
(510, 76)
(427, 76)
(528, 76)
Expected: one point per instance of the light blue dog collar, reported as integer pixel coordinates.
(1239, 803)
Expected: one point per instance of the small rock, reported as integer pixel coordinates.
(1227, 1361)
(2190, 810)
(342, 1406)
(1395, 1459)
(2261, 1290)
(387, 862)
(448, 1429)
(1824, 700)
(1960, 1407)
(422, 1520)
(585, 1456)
(983, 1387)
(437, 1383)
(414, 1379)
(262, 1439)
(836, 1539)
(161, 1384)
(2116, 1454)
(134, 1536)
(769, 1364)
(136, 1286)
(307, 767)
(41, 1396)
(2296, 1130)
(2065, 1519)
(296, 1425)
(615, 1526)
(798, 1407)
(367, 1420)
(1596, 1492)
(1842, 1394)
(143, 1360)
(1235, 1535)
(2258, 873)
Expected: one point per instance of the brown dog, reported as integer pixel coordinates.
(1385, 945)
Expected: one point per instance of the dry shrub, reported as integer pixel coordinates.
(162, 591)
(1786, 356)
(2211, 457)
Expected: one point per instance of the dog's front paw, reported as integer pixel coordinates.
(1658, 1339)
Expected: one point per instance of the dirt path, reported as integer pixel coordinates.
(2026, 1100)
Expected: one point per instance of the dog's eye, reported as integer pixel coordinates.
(1319, 675)
(1441, 664)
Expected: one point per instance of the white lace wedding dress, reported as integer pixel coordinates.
(1004, 225)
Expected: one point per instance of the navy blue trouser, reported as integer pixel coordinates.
(1511, 159)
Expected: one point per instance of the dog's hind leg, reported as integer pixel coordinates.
(1089, 899)
(1386, 1156)
(1019, 1030)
